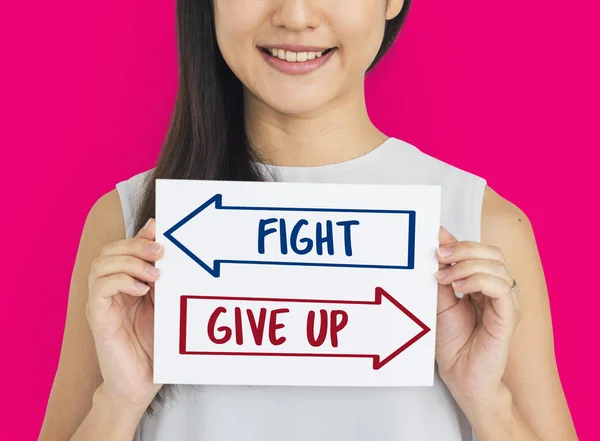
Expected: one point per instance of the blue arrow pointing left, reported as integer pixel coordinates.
(217, 200)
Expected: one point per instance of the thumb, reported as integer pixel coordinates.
(446, 296)
(148, 231)
(446, 238)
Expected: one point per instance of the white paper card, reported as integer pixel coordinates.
(271, 283)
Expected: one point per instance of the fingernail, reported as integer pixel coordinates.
(440, 274)
(141, 286)
(152, 270)
(154, 247)
(444, 230)
(457, 283)
(445, 251)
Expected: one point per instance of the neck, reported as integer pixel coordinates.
(338, 132)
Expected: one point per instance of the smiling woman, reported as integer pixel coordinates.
(274, 90)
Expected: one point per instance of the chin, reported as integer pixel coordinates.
(297, 105)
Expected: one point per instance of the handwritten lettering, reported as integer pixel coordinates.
(330, 324)
(319, 238)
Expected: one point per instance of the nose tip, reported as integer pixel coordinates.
(296, 15)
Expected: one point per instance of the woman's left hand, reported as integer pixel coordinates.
(473, 333)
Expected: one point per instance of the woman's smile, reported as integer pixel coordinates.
(295, 59)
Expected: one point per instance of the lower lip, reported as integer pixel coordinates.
(297, 67)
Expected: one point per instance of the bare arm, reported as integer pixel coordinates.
(531, 374)
(107, 421)
(78, 375)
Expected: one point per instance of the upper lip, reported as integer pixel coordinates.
(295, 47)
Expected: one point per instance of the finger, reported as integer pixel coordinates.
(446, 297)
(446, 238)
(466, 268)
(135, 246)
(496, 288)
(118, 283)
(148, 230)
(492, 286)
(102, 290)
(478, 299)
(469, 250)
(104, 266)
(142, 245)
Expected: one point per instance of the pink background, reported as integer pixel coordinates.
(88, 88)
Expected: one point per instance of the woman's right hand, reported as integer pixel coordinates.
(120, 311)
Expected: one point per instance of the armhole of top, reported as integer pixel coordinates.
(123, 192)
(477, 204)
(130, 192)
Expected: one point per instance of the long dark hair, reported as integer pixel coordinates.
(206, 138)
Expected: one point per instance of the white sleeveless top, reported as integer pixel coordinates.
(266, 413)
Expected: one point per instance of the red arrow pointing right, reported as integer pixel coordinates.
(194, 319)
(378, 361)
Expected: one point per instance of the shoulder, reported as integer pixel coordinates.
(105, 222)
(108, 216)
(504, 224)
(437, 170)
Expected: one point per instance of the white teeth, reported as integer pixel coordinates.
(293, 57)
